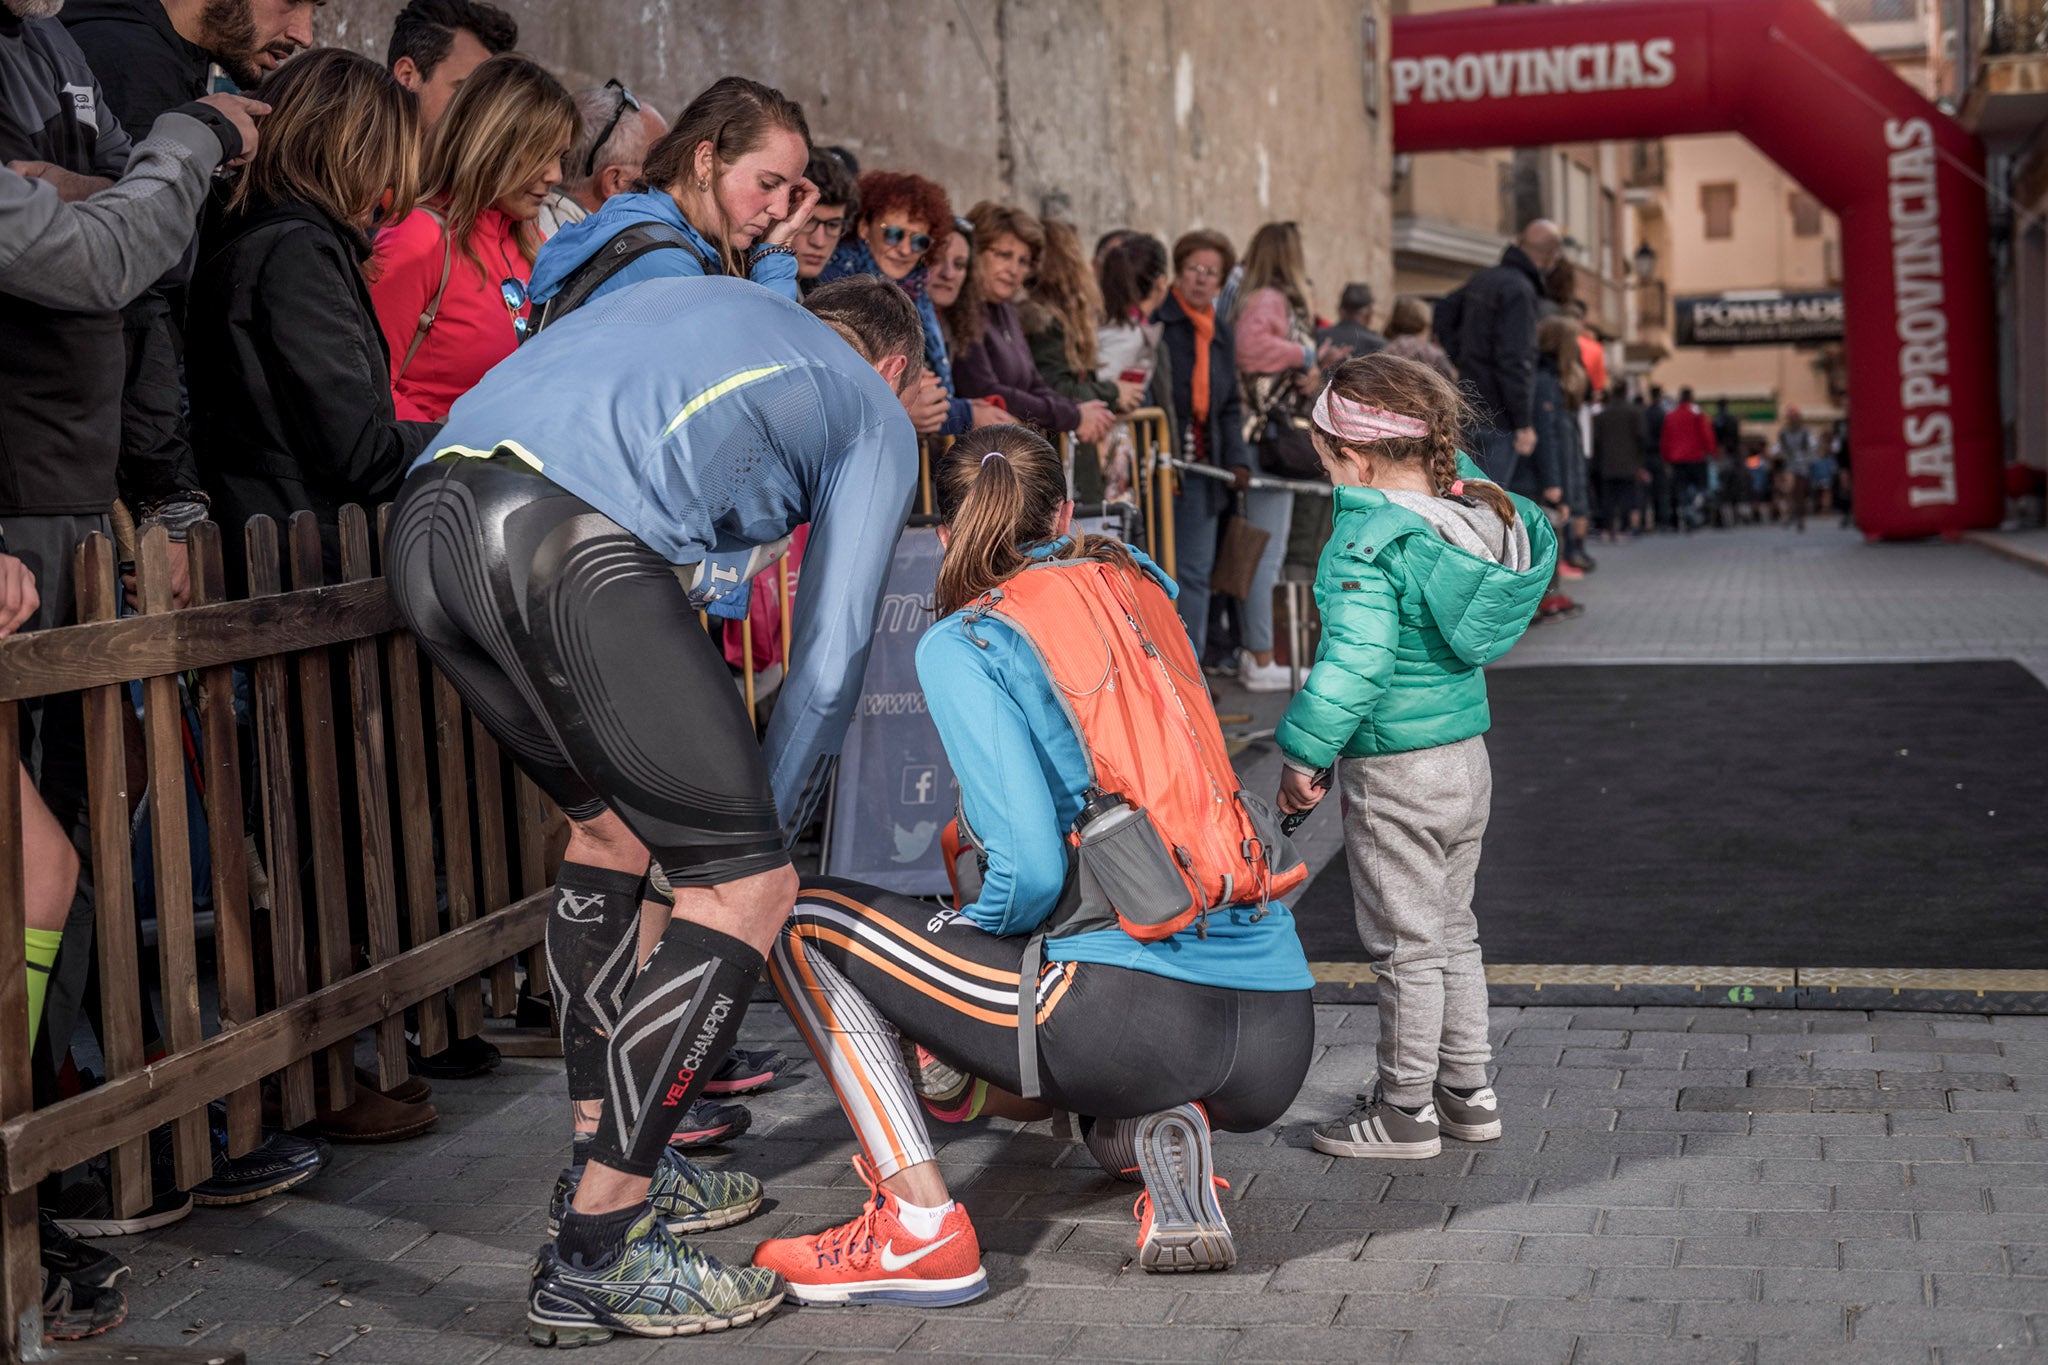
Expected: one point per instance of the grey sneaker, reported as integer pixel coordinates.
(654, 1286)
(689, 1197)
(1474, 1117)
(1379, 1128)
(1180, 1222)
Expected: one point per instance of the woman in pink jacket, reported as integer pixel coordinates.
(1274, 327)
(449, 281)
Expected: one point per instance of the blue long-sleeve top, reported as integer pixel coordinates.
(576, 243)
(853, 257)
(711, 417)
(1022, 772)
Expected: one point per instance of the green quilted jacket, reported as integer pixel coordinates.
(1408, 620)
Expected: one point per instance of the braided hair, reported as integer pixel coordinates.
(1408, 388)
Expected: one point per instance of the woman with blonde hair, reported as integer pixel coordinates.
(290, 386)
(1061, 315)
(1278, 364)
(450, 280)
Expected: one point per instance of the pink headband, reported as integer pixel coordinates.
(1361, 422)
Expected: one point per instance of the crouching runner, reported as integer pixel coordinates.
(1123, 956)
(551, 553)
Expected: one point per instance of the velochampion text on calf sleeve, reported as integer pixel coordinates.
(679, 1020)
(592, 934)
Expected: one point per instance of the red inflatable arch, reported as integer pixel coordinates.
(1905, 180)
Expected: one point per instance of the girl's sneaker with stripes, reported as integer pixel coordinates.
(1379, 1127)
(875, 1259)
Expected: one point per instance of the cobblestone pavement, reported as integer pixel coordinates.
(1609, 1224)
(1896, 1211)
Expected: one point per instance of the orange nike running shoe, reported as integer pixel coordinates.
(874, 1259)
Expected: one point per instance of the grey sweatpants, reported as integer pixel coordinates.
(1412, 826)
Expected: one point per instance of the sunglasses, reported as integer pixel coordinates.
(920, 242)
(513, 292)
(626, 101)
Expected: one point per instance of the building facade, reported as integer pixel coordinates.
(1161, 117)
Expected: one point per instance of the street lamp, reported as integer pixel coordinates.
(1646, 263)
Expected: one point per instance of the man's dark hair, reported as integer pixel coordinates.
(1656, 392)
(1356, 298)
(875, 316)
(425, 31)
(835, 184)
(1685, 395)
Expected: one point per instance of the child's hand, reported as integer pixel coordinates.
(1298, 791)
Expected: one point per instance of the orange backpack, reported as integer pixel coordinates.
(1167, 833)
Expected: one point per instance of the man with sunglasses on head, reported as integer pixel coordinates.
(615, 129)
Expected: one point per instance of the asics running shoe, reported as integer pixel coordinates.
(743, 1072)
(689, 1197)
(875, 1259)
(653, 1286)
(1180, 1221)
(1469, 1116)
(1379, 1127)
(82, 1263)
(708, 1121)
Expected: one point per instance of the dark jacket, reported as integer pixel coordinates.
(1494, 346)
(1557, 436)
(143, 65)
(1000, 366)
(1361, 339)
(291, 382)
(60, 404)
(1226, 445)
(1621, 439)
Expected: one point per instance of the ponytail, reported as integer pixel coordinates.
(1000, 490)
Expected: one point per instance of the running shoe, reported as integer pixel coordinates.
(1470, 1115)
(931, 1078)
(743, 1072)
(708, 1121)
(1254, 676)
(689, 1197)
(1180, 1221)
(282, 1161)
(73, 1312)
(85, 1209)
(81, 1263)
(1379, 1127)
(655, 1286)
(875, 1259)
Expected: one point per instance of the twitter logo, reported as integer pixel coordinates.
(912, 843)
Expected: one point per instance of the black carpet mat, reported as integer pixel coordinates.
(1837, 815)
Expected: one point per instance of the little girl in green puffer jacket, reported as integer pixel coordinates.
(1430, 573)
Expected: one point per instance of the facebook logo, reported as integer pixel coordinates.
(920, 785)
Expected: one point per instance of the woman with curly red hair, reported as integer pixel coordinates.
(903, 225)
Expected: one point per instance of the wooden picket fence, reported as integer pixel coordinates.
(440, 864)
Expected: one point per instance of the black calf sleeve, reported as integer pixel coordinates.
(592, 935)
(680, 1018)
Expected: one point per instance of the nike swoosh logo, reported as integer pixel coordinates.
(891, 1261)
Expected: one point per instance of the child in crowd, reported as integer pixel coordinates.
(1430, 573)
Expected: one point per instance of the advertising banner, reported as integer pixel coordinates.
(1765, 318)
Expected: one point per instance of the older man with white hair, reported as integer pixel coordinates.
(614, 131)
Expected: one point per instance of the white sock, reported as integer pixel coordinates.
(919, 1221)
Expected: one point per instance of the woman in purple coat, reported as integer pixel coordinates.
(994, 360)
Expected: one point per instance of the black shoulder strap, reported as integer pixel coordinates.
(628, 245)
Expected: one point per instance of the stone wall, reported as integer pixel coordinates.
(1158, 114)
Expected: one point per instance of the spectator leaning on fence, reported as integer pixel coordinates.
(437, 44)
(450, 279)
(726, 195)
(291, 395)
(995, 360)
(614, 130)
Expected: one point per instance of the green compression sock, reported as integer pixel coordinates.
(42, 958)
